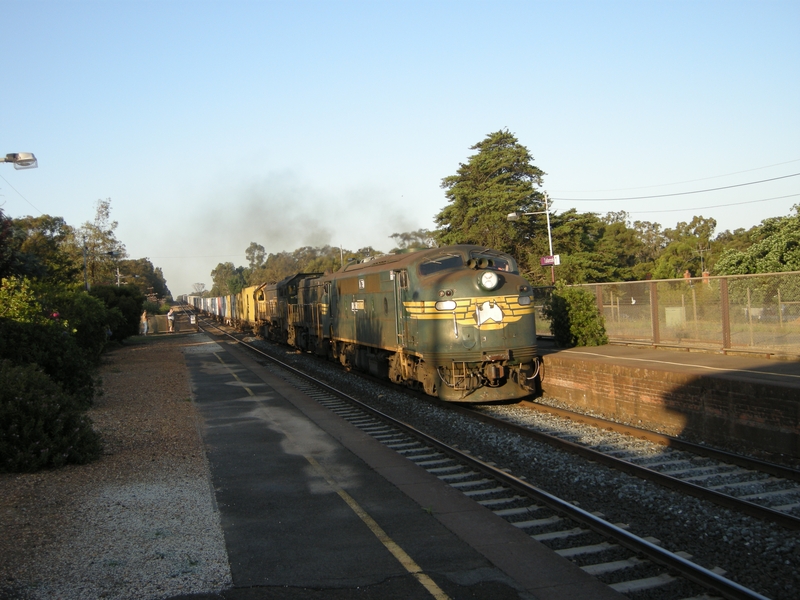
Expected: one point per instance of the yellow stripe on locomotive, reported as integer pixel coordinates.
(483, 313)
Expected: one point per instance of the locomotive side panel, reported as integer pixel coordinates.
(363, 319)
(365, 310)
(344, 304)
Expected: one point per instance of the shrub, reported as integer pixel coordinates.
(51, 347)
(89, 320)
(129, 301)
(82, 316)
(153, 308)
(116, 322)
(86, 317)
(18, 301)
(574, 318)
(41, 426)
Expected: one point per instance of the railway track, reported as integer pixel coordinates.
(757, 488)
(634, 565)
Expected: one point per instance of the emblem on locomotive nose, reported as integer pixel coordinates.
(488, 311)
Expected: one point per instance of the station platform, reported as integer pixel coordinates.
(311, 507)
(741, 400)
(740, 366)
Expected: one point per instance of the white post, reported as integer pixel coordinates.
(549, 240)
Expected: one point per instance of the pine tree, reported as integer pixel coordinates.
(498, 180)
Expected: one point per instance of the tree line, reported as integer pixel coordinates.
(51, 252)
(52, 332)
(500, 178)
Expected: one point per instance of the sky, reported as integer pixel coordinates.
(211, 125)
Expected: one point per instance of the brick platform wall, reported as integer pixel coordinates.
(718, 410)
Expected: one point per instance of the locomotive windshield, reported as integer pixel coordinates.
(497, 261)
(441, 263)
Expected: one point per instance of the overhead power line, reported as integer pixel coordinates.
(20, 195)
(640, 212)
(644, 187)
(204, 256)
(727, 187)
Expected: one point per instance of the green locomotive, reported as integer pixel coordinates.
(457, 321)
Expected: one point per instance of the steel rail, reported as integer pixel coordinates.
(743, 506)
(668, 440)
(691, 571)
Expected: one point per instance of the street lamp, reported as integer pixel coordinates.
(21, 160)
(514, 216)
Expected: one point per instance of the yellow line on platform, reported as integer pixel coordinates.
(235, 376)
(402, 557)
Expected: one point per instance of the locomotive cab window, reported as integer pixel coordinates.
(496, 262)
(441, 263)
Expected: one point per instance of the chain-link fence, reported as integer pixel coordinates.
(540, 296)
(745, 312)
(738, 312)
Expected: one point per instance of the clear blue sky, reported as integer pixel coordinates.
(211, 125)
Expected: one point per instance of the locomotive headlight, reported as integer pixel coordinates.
(524, 300)
(446, 305)
(488, 280)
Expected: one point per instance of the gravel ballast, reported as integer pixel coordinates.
(141, 522)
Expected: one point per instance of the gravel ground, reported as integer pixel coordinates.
(141, 522)
(759, 555)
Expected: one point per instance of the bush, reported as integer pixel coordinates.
(18, 301)
(41, 426)
(82, 316)
(87, 318)
(574, 318)
(51, 347)
(129, 301)
(153, 308)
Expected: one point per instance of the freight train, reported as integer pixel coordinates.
(457, 321)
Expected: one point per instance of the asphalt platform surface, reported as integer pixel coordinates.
(311, 507)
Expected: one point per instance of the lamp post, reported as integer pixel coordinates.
(21, 160)
(514, 216)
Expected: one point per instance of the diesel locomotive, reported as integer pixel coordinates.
(456, 321)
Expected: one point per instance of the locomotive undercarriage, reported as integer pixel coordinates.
(458, 380)
(463, 379)
(477, 381)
